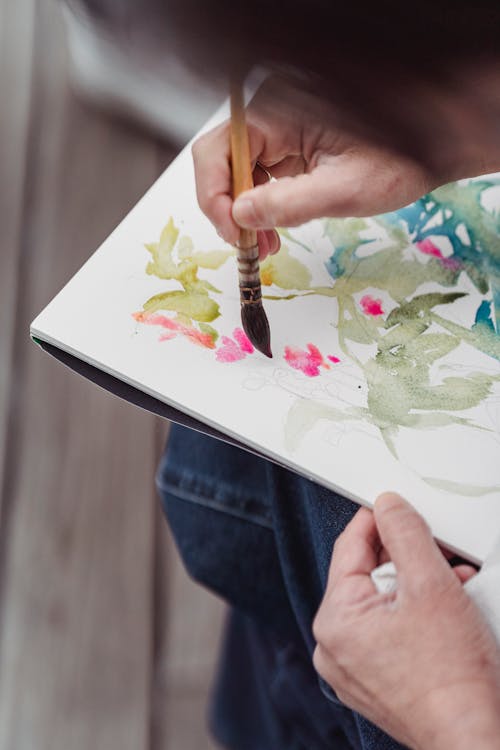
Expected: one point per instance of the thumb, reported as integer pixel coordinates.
(291, 201)
(410, 544)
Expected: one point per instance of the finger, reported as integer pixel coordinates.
(464, 572)
(291, 201)
(356, 549)
(409, 542)
(212, 167)
(268, 239)
(274, 242)
(269, 242)
(359, 182)
(336, 187)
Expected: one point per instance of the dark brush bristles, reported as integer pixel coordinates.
(256, 326)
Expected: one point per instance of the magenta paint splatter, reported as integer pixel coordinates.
(229, 351)
(429, 248)
(371, 306)
(307, 361)
(243, 341)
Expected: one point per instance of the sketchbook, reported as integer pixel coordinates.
(385, 336)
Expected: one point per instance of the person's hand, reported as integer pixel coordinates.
(321, 169)
(421, 663)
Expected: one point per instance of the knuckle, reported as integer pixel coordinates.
(195, 149)
(327, 631)
(206, 200)
(317, 627)
(198, 148)
(341, 690)
(339, 544)
(332, 673)
(318, 661)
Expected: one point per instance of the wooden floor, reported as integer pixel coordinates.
(104, 643)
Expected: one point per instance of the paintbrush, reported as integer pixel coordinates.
(253, 315)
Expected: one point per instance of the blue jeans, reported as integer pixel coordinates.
(262, 537)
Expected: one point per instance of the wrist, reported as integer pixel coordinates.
(462, 720)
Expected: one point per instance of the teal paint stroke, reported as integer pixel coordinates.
(421, 329)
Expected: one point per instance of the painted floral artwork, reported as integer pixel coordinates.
(384, 331)
(195, 306)
(400, 331)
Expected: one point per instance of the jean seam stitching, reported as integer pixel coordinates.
(208, 502)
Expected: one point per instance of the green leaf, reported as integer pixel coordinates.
(204, 284)
(185, 247)
(162, 264)
(283, 232)
(345, 232)
(419, 305)
(213, 259)
(195, 306)
(304, 414)
(285, 271)
(168, 237)
(360, 328)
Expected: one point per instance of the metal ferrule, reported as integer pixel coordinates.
(250, 294)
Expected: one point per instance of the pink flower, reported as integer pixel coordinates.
(232, 351)
(229, 351)
(429, 248)
(371, 306)
(308, 361)
(243, 341)
(174, 328)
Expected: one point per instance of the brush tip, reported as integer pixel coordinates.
(256, 327)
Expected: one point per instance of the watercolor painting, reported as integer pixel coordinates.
(385, 336)
(399, 286)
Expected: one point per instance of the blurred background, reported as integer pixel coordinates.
(104, 642)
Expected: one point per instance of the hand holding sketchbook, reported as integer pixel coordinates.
(386, 368)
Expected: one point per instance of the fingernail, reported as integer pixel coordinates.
(244, 212)
(220, 233)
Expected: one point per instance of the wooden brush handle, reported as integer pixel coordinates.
(253, 316)
(240, 156)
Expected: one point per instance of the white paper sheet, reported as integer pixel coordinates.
(355, 399)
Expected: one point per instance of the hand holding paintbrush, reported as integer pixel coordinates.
(253, 316)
